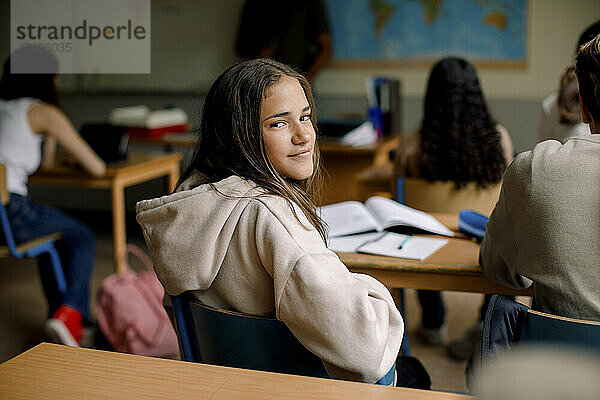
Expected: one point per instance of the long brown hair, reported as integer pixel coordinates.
(230, 140)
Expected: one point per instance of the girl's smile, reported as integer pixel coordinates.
(288, 130)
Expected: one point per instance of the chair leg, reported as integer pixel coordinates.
(183, 329)
(59, 274)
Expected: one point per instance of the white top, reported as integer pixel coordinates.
(550, 128)
(20, 146)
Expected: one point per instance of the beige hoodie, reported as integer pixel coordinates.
(238, 248)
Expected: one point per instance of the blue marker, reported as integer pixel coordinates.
(406, 239)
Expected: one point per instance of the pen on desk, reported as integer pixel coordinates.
(406, 239)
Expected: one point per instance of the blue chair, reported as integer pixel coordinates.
(238, 340)
(32, 248)
(508, 323)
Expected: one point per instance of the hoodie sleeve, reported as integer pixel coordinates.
(348, 320)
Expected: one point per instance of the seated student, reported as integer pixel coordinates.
(28, 116)
(242, 232)
(459, 141)
(560, 118)
(545, 228)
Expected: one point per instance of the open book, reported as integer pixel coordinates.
(377, 214)
(357, 227)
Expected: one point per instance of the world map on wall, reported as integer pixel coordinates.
(388, 30)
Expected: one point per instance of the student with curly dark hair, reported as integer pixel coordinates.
(459, 141)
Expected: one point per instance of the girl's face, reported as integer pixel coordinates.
(287, 129)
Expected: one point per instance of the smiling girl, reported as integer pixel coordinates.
(242, 232)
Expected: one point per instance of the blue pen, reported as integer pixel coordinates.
(406, 239)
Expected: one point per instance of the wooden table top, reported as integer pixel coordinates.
(453, 267)
(134, 162)
(137, 166)
(51, 371)
(460, 255)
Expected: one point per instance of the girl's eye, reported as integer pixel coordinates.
(278, 124)
(305, 118)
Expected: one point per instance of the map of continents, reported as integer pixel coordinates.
(416, 29)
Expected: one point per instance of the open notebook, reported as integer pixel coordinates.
(358, 227)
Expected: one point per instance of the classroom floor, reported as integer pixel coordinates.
(23, 309)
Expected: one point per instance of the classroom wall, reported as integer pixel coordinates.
(192, 42)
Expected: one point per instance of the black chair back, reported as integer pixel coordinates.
(237, 340)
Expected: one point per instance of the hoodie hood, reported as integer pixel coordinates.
(188, 233)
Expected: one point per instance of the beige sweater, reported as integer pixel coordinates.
(236, 248)
(546, 227)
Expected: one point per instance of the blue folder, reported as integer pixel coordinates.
(472, 223)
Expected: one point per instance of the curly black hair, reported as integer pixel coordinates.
(459, 140)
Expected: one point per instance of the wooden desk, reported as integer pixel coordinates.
(137, 169)
(341, 163)
(50, 371)
(453, 267)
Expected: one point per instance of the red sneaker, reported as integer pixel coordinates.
(65, 326)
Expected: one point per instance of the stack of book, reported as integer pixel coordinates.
(143, 122)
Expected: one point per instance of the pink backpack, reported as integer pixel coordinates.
(131, 314)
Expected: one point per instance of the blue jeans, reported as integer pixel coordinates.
(76, 250)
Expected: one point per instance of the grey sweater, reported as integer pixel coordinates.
(545, 228)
